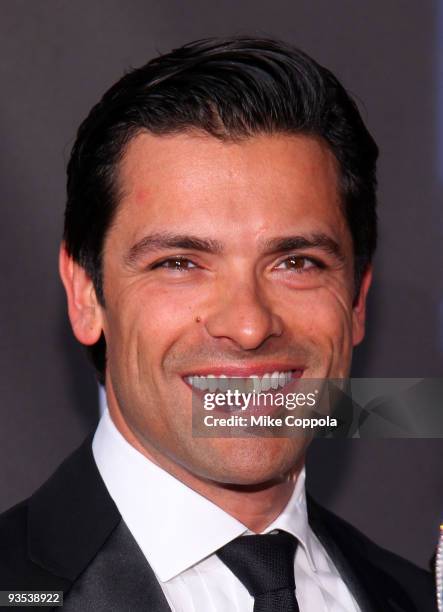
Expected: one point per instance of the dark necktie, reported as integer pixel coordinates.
(265, 565)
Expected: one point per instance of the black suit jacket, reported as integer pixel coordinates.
(69, 536)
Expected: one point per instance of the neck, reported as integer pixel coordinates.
(256, 506)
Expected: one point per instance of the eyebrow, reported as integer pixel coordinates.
(311, 241)
(164, 240)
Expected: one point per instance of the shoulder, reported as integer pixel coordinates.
(17, 570)
(367, 547)
(375, 565)
(48, 539)
(13, 531)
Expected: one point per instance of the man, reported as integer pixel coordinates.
(220, 224)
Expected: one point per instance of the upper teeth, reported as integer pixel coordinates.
(254, 383)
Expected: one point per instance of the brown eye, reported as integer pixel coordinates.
(180, 264)
(297, 263)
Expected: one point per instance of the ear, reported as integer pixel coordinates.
(85, 313)
(359, 308)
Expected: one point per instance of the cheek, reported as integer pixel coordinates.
(143, 322)
(325, 315)
(162, 315)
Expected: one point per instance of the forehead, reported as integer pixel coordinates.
(256, 186)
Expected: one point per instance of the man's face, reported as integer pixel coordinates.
(225, 259)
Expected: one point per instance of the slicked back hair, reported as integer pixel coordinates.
(230, 88)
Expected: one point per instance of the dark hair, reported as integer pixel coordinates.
(231, 88)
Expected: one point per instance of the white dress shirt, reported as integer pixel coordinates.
(179, 530)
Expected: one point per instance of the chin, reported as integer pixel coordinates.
(254, 461)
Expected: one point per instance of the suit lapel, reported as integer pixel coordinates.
(76, 534)
(343, 564)
(372, 589)
(118, 578)
(71, 516)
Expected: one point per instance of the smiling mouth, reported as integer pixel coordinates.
(254, 383)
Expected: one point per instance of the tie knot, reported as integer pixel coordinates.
(263, 563)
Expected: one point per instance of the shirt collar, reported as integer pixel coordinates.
(159, 509)
(294, 519)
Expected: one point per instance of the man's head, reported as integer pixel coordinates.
(220, 220)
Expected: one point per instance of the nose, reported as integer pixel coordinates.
(244, 316)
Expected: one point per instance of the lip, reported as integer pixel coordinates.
(246, 371)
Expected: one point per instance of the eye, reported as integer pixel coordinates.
(180, 264)
(299, 264)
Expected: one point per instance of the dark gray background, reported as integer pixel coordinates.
(57, 58)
